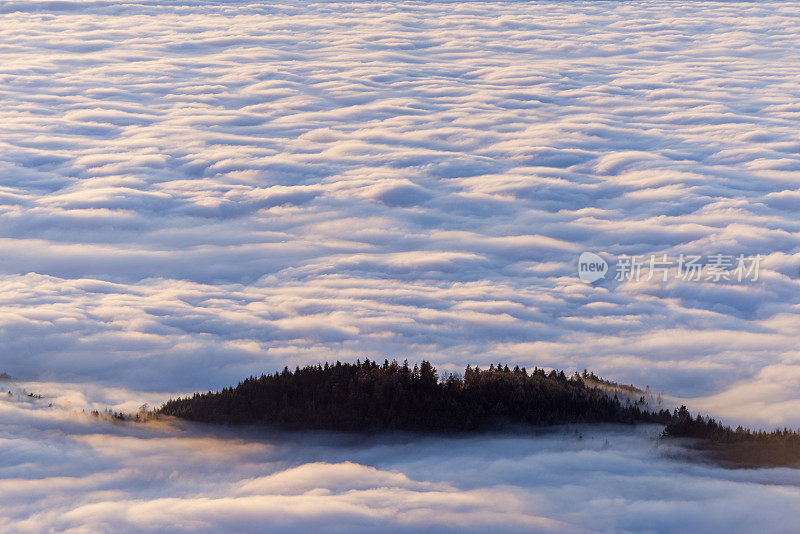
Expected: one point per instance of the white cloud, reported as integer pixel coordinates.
(71, 472)
(191, 192)
(392, 180)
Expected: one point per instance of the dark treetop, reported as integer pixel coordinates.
(392, 396)
(741, 447)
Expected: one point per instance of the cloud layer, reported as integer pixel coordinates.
(191, 192)
(194, 191)
(68, 472)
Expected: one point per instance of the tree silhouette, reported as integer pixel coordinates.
(369, 396)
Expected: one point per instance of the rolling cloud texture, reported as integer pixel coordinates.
(191, 192)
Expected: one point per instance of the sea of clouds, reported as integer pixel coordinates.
(66, 472)
(193, 191)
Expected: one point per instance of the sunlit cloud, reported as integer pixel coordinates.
(192, 192)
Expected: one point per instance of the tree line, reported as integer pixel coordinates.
(367, 395)
(393, 396)
(740, 446)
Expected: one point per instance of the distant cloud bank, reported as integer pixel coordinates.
(191, 192)
(63, 472)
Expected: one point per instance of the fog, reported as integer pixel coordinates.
(195, 191)
(191, 192)
(66, 471)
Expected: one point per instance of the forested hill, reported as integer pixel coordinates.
(740, 446)
(392, 396)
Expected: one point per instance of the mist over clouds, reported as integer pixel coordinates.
(66, 472)
(192, 192)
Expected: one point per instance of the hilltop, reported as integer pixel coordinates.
(392, 396)
(367, 396)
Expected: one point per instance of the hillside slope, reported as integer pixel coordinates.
(392, 396)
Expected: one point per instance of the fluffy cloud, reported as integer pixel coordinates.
(191, 192)
(63, 471)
